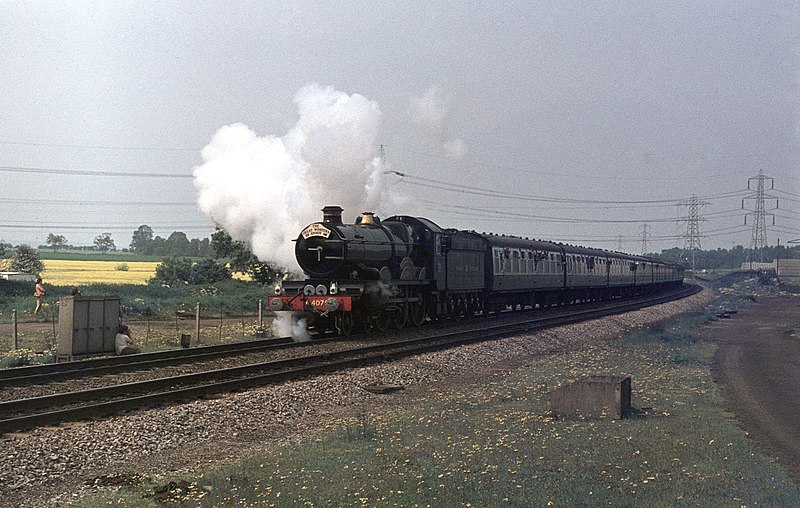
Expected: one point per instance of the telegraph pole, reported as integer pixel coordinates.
(758, 237)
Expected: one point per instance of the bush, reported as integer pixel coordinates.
(15, 288)
(122, 267)
(26, 259)
(175, 270)
(208, 271)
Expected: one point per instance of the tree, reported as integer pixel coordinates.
(3, 247)
(26, 259)
(242, 258)
(56, 241)
(204, 249)
(104, 243)
(142, 240)
(177, 244)
(158, 247)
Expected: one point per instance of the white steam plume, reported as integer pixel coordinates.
(431, 112)
(287, 324)
(263, 190)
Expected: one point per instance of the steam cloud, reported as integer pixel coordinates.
(430, 112)
(264, 190)
(288, 324)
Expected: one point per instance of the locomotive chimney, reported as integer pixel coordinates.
(367, 218)
(332, 214)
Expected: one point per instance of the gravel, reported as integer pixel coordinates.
(50, 466)
(105, 380)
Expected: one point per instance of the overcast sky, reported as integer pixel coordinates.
(570, 121)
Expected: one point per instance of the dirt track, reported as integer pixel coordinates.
(758, 370)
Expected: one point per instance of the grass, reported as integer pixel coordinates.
(495, 446)
(81, 255)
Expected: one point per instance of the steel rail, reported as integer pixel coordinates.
(275, 371)
(110, 365)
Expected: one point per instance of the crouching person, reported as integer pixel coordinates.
(123, 341)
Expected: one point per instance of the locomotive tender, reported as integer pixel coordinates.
(404, 269)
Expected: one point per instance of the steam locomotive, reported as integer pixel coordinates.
(404, 270)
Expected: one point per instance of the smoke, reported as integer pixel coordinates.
(264, 190)
(288, 324)
(431, 112)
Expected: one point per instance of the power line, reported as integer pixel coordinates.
(73, 172)
(503, 216)
(104, 147)
(466, 189)
(646, 157)
(65, 202)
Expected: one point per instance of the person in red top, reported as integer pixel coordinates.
(38, 293)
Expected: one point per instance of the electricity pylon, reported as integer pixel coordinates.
(758, 238)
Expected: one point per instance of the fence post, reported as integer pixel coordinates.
(260, 315)
(54, 327)
(14, 321)
(197, 321)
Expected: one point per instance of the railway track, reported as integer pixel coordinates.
(56, 372)
(23, 414)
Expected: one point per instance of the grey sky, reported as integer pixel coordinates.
(588, 101)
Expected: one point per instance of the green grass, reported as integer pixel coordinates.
(81, 255)
(494, 446)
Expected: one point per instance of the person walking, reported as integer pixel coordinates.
(39, 294)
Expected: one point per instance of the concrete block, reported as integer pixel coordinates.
(592, 397)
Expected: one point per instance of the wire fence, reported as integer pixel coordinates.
(203, 326)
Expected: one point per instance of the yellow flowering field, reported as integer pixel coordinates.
(80, 273)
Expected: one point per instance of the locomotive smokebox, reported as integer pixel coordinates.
(332, 214)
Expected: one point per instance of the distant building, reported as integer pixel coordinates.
(784, 267)
(18, 276)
